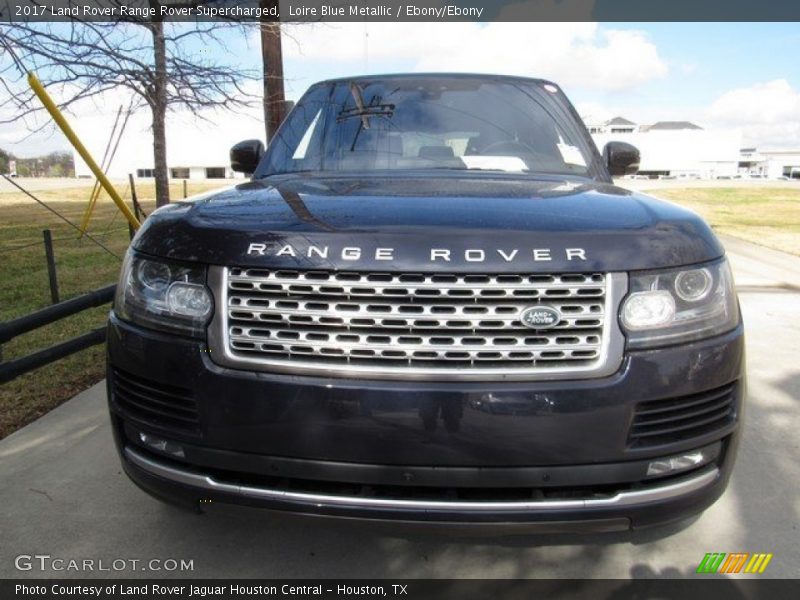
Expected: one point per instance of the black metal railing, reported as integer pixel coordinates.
(12, 369)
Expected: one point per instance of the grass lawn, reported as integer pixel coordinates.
(82, 267)
(766, 216)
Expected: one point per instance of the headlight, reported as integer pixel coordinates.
(163, 295)
(679, 305)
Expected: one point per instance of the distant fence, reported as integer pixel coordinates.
(11, 369)
(10, 329)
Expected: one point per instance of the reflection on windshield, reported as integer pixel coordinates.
(411, 123)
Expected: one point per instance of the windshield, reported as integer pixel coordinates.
(406, 123)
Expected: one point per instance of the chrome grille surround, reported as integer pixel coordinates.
(422, 326)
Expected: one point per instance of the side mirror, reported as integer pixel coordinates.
(621, 158)
(246, 155)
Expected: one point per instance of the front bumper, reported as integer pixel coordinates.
(537, 453)
(671, 500)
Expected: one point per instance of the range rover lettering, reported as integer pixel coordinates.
(429, 302)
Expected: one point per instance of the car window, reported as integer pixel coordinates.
(430, 123)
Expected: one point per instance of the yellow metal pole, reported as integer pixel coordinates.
(51, 107)
(87, 214)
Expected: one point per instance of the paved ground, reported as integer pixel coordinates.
(63, 493)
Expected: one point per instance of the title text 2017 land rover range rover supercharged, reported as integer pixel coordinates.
(430, 303)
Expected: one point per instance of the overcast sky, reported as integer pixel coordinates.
(717, 75)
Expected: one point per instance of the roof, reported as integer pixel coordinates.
(619, 121)
(673, 125)
(433, 75)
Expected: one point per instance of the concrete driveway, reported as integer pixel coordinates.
(63, 494)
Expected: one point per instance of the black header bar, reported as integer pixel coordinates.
(697, 588)
(399, 10)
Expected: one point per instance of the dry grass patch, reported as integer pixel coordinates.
(766, 216)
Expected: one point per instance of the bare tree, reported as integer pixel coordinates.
(164, 65)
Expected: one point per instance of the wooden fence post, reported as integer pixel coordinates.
(136, 208)
(51, 265)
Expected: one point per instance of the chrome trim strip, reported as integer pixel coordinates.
(631, 498)
(607, 362)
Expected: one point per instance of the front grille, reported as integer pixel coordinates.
(660, 422)
(430, 324)
(164, 406)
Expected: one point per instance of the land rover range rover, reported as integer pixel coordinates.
(429, 302)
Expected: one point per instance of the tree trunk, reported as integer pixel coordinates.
(160, 157)
(159, 108)
(272, 57)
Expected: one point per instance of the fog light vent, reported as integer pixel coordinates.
(659, 422)
(682, 462)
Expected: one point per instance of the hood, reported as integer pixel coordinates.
(463, 223)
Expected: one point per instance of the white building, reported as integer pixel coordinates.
(771, 164)
(674, 148)
(615, 125)
(197, 148)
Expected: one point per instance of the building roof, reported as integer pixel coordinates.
(619, 121)
(673, 125)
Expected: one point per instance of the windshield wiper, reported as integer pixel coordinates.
(365, 111)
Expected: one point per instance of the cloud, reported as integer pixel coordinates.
(573, 54)
(763, 103)
(767, 113)
(593, 112)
